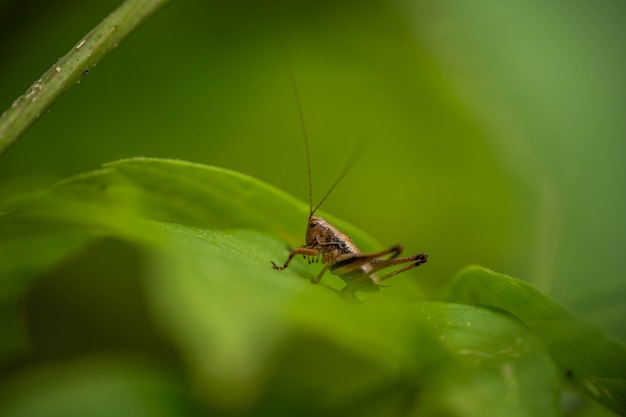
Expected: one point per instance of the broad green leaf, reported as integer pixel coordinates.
(197, 195)
(587, 361)
(41, 229)
(229, 315)
(229, 311)
(253, 340)
(502, 368)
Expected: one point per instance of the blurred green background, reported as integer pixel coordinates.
(495, 131)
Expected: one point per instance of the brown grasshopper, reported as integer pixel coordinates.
(338, 253)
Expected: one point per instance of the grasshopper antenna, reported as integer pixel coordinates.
(355, 154)
(304, 132)
(346, 168)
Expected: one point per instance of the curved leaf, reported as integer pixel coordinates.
(503, 369)
(197, 195)
(587, 361)
(258, 341)
(41, 229)
(229, 314)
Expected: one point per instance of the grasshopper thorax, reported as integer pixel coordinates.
(322, 235)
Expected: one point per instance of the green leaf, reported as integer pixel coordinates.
(197, 195)
(110, 202)
(587, 361)
(41, 229)
(253, 340)
(502, 368)
(230, 314)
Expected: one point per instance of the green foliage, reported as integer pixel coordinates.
(586, 360)
(145, 288)
(495, 128)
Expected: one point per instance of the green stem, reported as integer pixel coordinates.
(69, 70)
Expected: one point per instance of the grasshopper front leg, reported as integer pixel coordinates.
(303, 250)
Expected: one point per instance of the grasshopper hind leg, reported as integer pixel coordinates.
(413, 261)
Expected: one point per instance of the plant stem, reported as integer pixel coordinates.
(71, 68)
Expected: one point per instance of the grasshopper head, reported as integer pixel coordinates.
(316, 230)
(322, 235)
